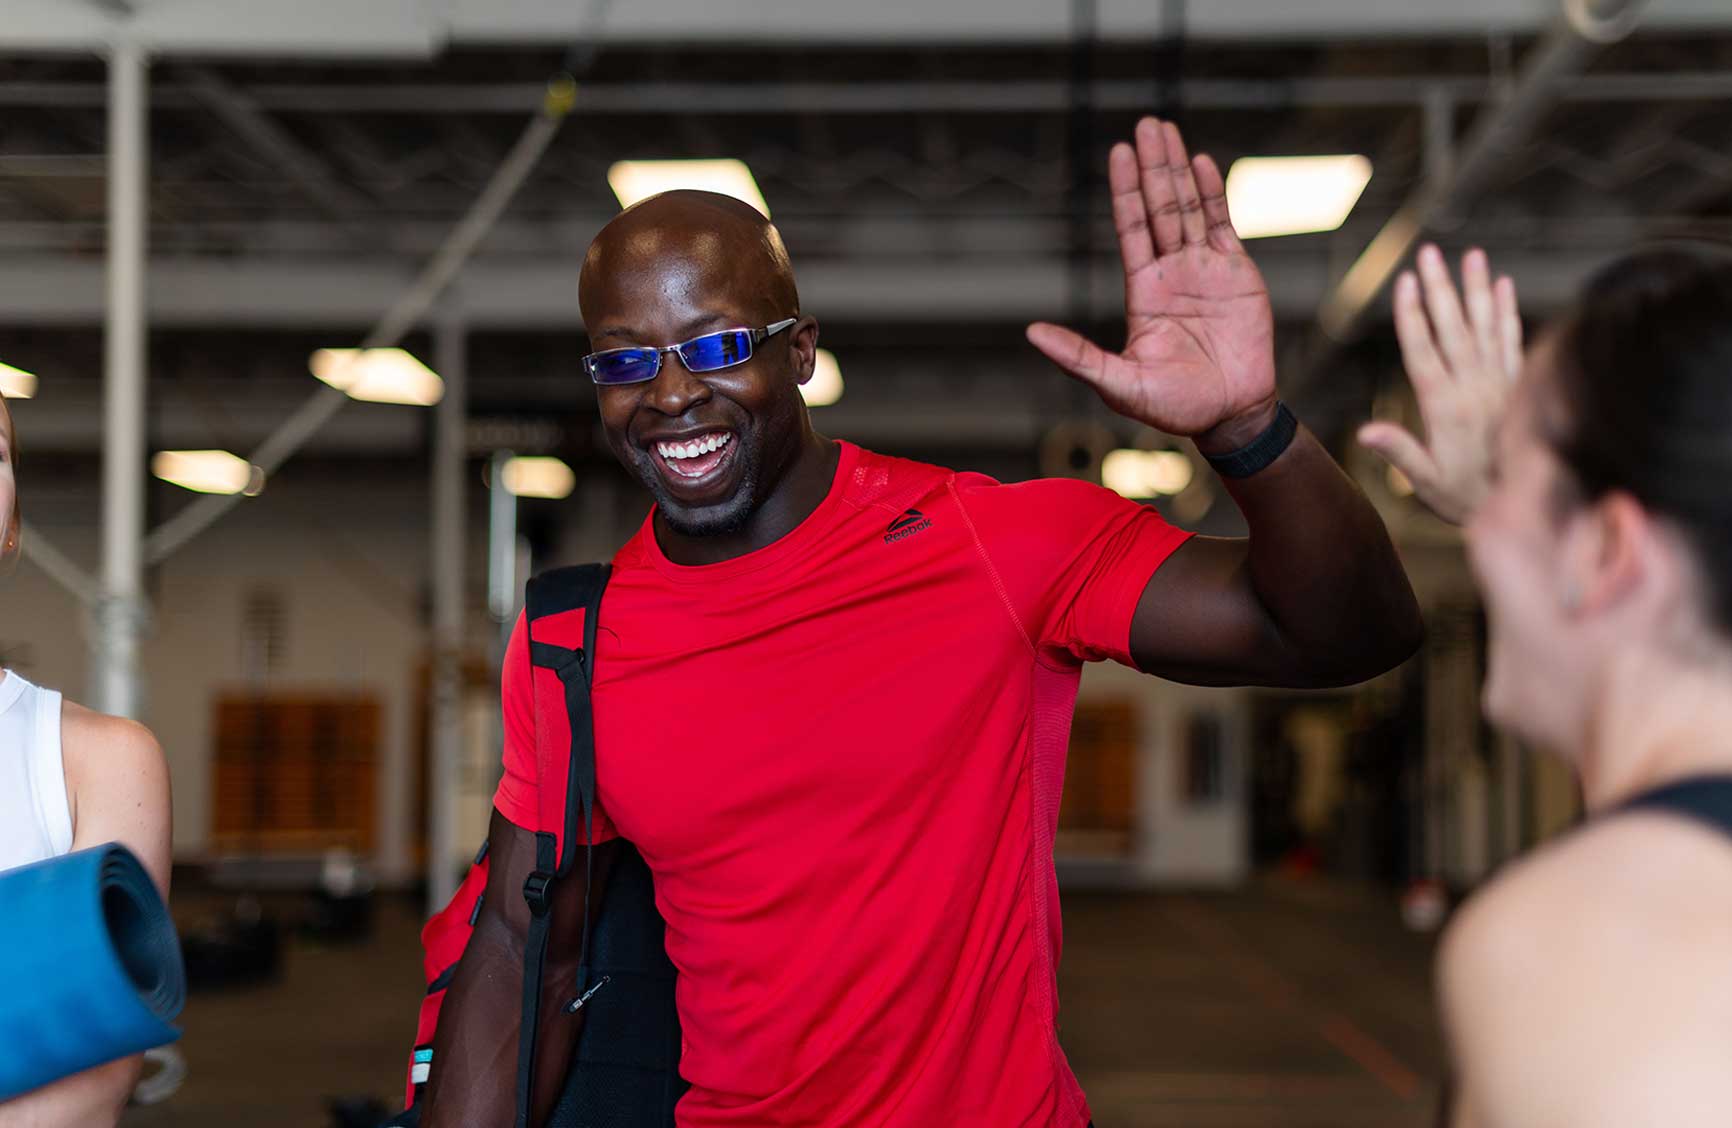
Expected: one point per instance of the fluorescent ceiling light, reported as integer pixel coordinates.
(825, 386)
(208, 471)
(633, 181)
(1146, 473)
(378, 375)
(15, 383)
(537, 477)
(1294, 195)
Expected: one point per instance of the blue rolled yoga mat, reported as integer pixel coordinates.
(90, 963)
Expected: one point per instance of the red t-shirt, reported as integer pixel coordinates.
(841, 756)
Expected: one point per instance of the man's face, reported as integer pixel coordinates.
(709, 446)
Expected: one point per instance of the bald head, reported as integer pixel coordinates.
(677, 267)
(710, 249)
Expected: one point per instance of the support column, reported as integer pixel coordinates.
(503, 580)
(121, 612)
(449, 450)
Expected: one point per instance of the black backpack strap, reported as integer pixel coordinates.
(553, 593)
(1707, 799)
(535, 891)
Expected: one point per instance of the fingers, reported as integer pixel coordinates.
(1401, 450)
(1069, 350)
(1454, 339)
(1425, 366)
(1160, 197)
(1130, 217)
(1185, 186)
(1509, 328)
(1184, 202)
(1488, 337)
(1481, 306)
(1212, 187)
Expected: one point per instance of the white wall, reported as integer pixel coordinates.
(350, 558)
(351, 566)
(1177, 842)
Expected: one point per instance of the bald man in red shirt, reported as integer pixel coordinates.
(834, 689)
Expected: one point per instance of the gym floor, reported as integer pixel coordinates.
(1285, 1005)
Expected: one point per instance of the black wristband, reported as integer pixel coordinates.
(1260, 451)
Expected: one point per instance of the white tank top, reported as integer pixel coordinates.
(35, 819)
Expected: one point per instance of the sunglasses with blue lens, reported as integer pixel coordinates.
(711, 352)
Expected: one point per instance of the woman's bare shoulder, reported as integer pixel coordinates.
(117, 786)
(1624, 865)
(1600, 957)
(94, 745)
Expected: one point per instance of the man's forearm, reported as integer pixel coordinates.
(473, 1078)
(92, 1099)
(1322, 564)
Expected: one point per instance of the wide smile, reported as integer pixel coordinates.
(691, 465)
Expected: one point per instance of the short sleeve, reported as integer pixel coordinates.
(518, 796)
(1073, 558)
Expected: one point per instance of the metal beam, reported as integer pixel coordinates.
(236, 413)
(1015, 21)
(421, 27)
(1022, 96)
(337, 294)
(1716, 177)
(60, 567)
(908, 243)
(208, 28)
(410, 306)
(303, 168)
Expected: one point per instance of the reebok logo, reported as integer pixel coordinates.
(912, 521)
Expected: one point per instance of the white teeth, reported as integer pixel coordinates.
(696, 447)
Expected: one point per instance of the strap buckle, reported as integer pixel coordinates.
(564, 661)
(576, 662)
(535, 889)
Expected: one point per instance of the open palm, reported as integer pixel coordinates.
(1200, 334)
(1463, 353)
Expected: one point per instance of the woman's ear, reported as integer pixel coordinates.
(1610, 555)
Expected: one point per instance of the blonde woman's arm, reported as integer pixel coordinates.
(117, 786)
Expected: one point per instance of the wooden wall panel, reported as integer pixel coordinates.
(295, 773)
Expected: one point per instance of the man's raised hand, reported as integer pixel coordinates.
(1199, 355)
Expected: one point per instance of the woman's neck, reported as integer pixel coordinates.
(1656, 719)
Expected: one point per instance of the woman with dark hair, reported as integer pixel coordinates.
(1590, 983)
(72, 778)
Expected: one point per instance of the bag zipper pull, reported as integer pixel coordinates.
(577, 1004)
